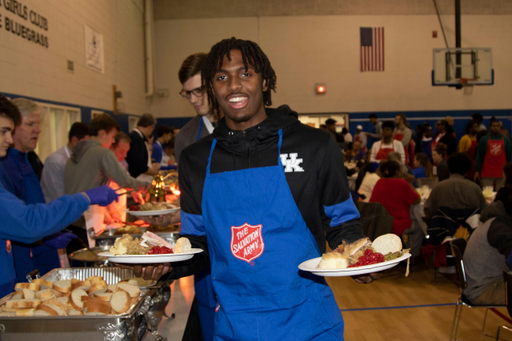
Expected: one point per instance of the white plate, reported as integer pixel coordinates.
(152, 213)
(312, 266)
(150, 259)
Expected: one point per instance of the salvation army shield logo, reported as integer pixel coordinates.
(247, 242)
(496, 149)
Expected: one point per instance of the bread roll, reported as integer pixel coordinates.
(120, 302)
(62, 286)
(31, 286)
(387, 243)
(105, 296)
(44, 294)
(44, 284)
(133, 290)
(182, 245)
(22, 304)
(25, 312)
(333, 260)
(49, 310)
(76, 299)
(96, 305)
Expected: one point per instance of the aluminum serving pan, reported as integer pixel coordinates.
(128, 326)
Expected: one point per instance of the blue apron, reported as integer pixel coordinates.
(205, 297)
(256, 239)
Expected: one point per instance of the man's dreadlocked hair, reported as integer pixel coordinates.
(251, 55)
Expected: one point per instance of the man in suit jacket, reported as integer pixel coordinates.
(138, 158)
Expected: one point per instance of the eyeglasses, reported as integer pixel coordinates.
(198, 92)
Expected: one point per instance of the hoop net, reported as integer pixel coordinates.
(468, 88)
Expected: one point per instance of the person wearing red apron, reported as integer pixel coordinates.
(494, 151)
(379, 154)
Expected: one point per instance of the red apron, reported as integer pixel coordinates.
(494, 158)
(399, 137)
(382, 154)
(472, 154)
(358, 139)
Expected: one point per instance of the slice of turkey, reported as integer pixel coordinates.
(153, 239)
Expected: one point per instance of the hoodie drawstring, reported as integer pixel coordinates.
(256, 142)
(232, 147)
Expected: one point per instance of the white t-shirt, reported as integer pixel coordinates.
(366, 189)
(395, 145)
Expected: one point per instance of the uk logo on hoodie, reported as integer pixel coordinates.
(291, 164)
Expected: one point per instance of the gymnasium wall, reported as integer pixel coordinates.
(37, 68)
(305, 50)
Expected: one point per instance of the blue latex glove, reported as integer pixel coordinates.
(102, 195)
(59, 240)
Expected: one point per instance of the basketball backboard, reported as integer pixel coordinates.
(472, 65)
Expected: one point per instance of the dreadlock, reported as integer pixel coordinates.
(251, 55)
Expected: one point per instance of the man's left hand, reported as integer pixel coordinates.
(366, 279)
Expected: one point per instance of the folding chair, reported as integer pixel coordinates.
(459, 246)
(507, 276)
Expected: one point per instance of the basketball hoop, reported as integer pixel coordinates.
(468, 88)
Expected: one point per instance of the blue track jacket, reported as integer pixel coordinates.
(29, 223)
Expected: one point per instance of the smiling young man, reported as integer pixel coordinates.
(260, 196)
(27, 223)
(193, 90)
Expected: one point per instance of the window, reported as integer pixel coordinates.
(56, 121)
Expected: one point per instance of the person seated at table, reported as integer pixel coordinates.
(489, 252)
(407, 171)
(507, 174)
(382, 148)
(439, 157)
(359, 153)
(423, 167)
(370, 178)
(457, 192)
(396, 195)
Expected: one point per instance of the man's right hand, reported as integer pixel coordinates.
(152, 272)
(477, 177)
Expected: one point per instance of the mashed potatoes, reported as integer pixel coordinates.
(333, 260)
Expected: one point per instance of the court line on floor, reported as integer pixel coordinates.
(401, 307)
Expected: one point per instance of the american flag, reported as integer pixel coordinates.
(372, 49)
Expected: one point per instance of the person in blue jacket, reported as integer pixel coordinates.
(163, 136)
(30, 223)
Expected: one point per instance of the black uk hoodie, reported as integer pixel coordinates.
(313, 165)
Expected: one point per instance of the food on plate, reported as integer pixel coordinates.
(333, 260)
(182, 245)
(149, 244)
(100, 299)
(152, 206)
(130, 229)
(363, 252)
(390, 245)
(127, 245)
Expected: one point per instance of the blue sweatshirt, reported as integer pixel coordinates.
(158, 153)
(29, 223)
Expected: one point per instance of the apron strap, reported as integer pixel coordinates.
(210, 157)
(279, 148)
(278, 154)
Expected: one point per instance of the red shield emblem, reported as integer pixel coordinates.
(247, 242)
(495, 149)
(8, 246)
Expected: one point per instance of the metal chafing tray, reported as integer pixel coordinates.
(131, 325)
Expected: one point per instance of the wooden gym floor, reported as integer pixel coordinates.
(410, 308)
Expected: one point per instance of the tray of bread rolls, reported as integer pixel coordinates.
(106, 303)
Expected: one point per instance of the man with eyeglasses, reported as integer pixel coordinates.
(200, 126)
(203, 124)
